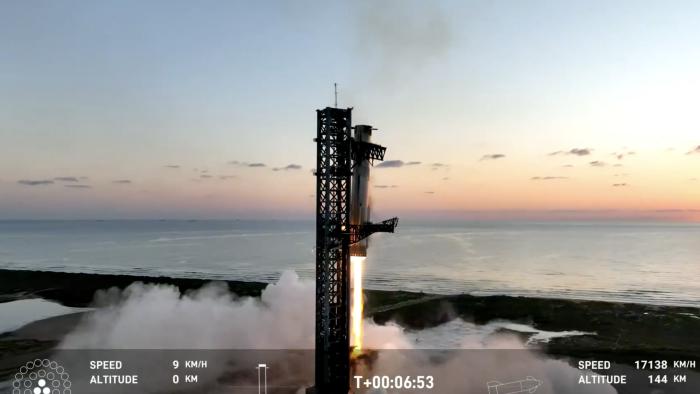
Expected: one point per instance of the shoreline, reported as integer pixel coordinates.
(624, 332)
(50, 284)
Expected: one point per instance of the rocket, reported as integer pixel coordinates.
(528, 385)
(359, 190)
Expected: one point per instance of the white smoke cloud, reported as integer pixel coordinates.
(160, 317)
(398, 38)
(209, 318)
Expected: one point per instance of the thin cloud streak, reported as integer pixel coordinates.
(66, 179)
(246, 164)
(573, 151)
(390, 164)
(622, 155)
(493, 156)
(288, 167)
(30, 182)
(400, 163)
(548, 178)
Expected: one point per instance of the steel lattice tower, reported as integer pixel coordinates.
(333, 172)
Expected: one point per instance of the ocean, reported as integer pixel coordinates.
(652, 263)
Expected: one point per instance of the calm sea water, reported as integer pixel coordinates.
(633, 262)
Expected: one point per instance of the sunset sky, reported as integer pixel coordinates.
(489, 109)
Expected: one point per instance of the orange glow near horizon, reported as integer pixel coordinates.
(653, 183)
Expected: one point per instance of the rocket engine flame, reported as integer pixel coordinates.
(356, 267)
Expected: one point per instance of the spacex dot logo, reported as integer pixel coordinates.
(41, 377)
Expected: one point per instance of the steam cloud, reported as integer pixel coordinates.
(402, 36)
(209, 318)
(283, 318)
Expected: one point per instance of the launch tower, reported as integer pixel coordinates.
(342, 222)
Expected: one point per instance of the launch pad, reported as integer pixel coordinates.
(342, 226)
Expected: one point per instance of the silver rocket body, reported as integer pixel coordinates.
(359, 191)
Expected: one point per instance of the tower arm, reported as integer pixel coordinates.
(361, 231)
(367, 151)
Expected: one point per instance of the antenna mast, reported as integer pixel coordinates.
(335, 89)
